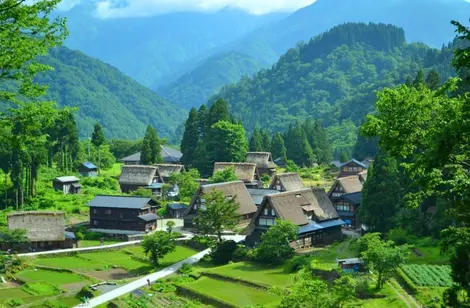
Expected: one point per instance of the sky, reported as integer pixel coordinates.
(136, 8)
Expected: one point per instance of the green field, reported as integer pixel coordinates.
(429, 275)
(233, 293)
(94, 243)
(56, 278)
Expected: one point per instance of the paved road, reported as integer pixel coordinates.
(152, 277)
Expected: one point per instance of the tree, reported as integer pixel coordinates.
(275, 243)
(298, 147)
(223, 176)
(409, 82)
(187, 183)
(433, 80)
(97, 139)
(381, 195)
(220, 213)
(265, 141)
(344, 157)
(383, 257)
(218, 112)
(202, 115)
(14, 236)
(157, 245)
(323, 150)
(151, 148)
(256, 142)
(190, 138)
(169, 226)
(419, 79)
(344, 289)
(20, 49)
(291, 166)
(278, 148)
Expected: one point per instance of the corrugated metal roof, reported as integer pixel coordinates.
(168, 154)
(89, 165)
(314, 226)
(354, 198)
(122, 202)
(177, 206)
(66, 179)
(257, 194)
(148, 217)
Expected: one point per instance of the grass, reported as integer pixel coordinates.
(235, 294)
(56, 278)
(93, 243)
(325, 258)
(114, 171)
(274, 276)
(430, 296)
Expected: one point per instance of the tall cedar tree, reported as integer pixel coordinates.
(151, 148)
(97, 139)
(433, 80)
(266, 141)
(419, 79)
(202, 114)
(365, 147)
(190, 138)
(381, 195)
(218, 112)
(278, 148)
(317, 138)
(64, 143)
(298, 148)
(256, 142)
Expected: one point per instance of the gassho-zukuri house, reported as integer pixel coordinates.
(264, 162)
(134, 177)
(245, 172)
(308, 208)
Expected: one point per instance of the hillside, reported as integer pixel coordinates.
(332, 78)
(104, 94)
(265, 45)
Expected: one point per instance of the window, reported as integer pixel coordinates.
(266, 222)
(262, 222)
(336, 194)
(95, 222)
(265, 212)
(344, 208)
(273, 213)
(270, 222)
(95, 211)
(108, 211)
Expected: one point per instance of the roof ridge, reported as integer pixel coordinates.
(223, 183)
(234, 163)
(292, 192)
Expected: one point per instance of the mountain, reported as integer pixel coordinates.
(265, 45)
(104, 94)
(156, 50)
(332, 78)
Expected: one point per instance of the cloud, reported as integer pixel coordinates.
(136, 8)
(66, 5)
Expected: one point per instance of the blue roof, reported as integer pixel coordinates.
(356, 162)
(148, 217)
(314, 226)
(155, 185)
(354, 198)
(89, 165)
(69, 235)
(177, 206)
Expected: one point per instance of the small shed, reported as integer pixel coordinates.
(69, 185)
(176, 210)
(88, 170)
(351, 265)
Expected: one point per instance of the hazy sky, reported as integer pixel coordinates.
(132, 8)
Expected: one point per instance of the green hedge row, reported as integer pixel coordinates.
(406, 282)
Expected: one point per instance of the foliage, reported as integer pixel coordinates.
(169, 226)
(298, 148)
(223, 252)
(190, 138)
(344, 289)
(13, 236)
(429, 275)
(219, 213)
(186, 269)
(186, 182)
(278, 147)
(86, 291)
(151, 148)
(291, 166)
(97, 137)
(157, 245)
(223, 176)
(275, 243)
(400, 236)
(122, 147)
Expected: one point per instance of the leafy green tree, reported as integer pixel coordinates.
(275, 242)
(433, 80)
(98, 139)
(121, 147)
(169, 226)
(381, 195)
(383, 256)
(291, 166)
(151, 148)
(63, 143)
(278, 148)
(220, 213)
(344, 290)
(157, 245)
(256, 142)
(187, 183)
(223, 176)
(365, 147)
(190, 138)
(13, 236)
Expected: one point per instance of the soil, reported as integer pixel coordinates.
(74, 286)
(111, 274)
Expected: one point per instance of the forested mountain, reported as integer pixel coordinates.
(155, 50)
(104, 94)
(332, 78)
(265, 45)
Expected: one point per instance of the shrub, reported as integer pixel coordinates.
(86, 291)
(76, 210)
(297, 263)
(223, 252)
(185, 269)
(93, 236)
(14, 302)
(241, 253)
(163, 287)
(399, 235)
(79, 236)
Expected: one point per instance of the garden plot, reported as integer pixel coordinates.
(429, 275)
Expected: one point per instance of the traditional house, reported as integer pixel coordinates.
(123, 214)
(352, 167)
(69, 185)
(169, 156)
(351, 265)
(245, 172)
(177, 210)
(258, 194)
(308, 208)
(264, 162)
(347, 206)
(362, 176)
(286, 182)
(346, 185)
(88, 170)
(44, 230)
(135, 177)
(164, 171)
(233, 190)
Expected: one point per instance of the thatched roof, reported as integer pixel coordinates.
(166, 170)
(243, 171)
(39, 226)
(289, 181)
(137, 175)
(350, 184)
(262, 160)
(362, 176)
(235, 190)
(292, 204)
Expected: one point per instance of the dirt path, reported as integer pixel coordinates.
(406, 298)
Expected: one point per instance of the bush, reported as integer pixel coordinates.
(14, 302)
(185, 269)
(93, 236)
(223, 252)
(297, 263)
(400, 236)
(86, 291)
(76, 210)
(163, 287)
(241, 253)
(79, 236)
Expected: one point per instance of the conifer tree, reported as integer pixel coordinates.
(433, 80)
(256, 143)
(190, 138)
(344, 157)
(278, 148)
(202, 114)
(97, 139)
(266, 141)
(298, 147)
(419, 80)
(409, 82)
(324, 153)
(218, 112)
(151, 147)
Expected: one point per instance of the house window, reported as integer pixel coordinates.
(95, 211)
(335, 194)
(265, 212)
(95, 222)
(266, 221)
(108, 212)
(273, 213)
(344, 208)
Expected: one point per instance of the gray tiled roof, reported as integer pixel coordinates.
(120, 202)
(168, 154)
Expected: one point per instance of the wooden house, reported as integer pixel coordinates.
(308, 208)
(164, 171)
(233, 190)
(245, 172)
(88, 170)
(177, 210)
(345, 185)
(264, 162)
(351, 265)
(352, 167)
(44, 230)
(134, 177)
(258, 194)
(286, 182)
(123, 213)
(347, 207)
(69, 185)
(169, 156)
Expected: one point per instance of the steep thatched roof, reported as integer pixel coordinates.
(289, 181)
(362, 176)
(243, 171)
(39, 226)
(350, 184)
(292, 205)
(235, 190)
(137, 175)
(166, 170)
(262, 160)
